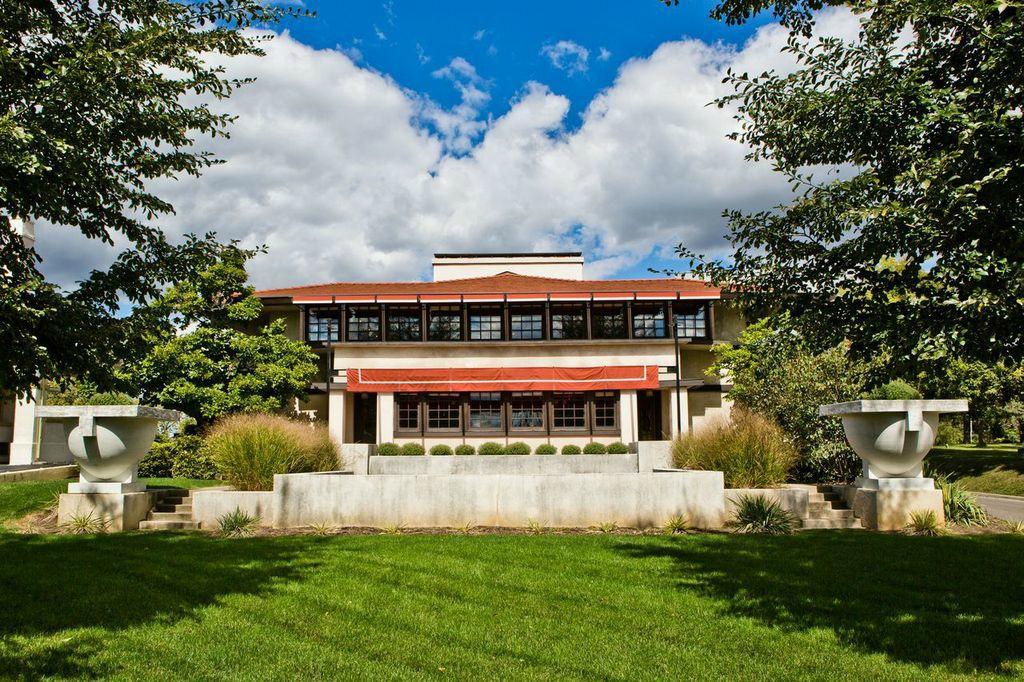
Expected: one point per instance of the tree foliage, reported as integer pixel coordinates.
(97, 99)
(909, 234)
(212, 356)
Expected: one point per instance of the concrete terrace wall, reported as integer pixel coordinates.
(793, 500)
(209, 505)
(557, 500)
(504, 464)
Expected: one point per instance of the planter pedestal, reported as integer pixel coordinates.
(892, 438)
(108, 442)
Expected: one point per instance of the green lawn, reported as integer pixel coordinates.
(826, 605)
(992, 469)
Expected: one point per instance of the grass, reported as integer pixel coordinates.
(812, 605)
(180, 482)
(19, 499)
(991, 469)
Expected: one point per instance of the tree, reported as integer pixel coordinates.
(97, 99)
(909, 237)
(990, 389)
(211, 356)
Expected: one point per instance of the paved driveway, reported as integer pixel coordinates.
(1005, 507)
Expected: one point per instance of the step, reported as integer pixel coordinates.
(169, 516)
(824, 505)
(830, 514)
(817, 524)
(185, 508)
(168, 525)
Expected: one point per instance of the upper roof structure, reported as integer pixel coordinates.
(500, 287)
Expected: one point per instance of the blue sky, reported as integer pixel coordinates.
(378, 133)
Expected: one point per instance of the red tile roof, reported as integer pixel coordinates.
(504, 284)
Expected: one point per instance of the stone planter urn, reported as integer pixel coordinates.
(108, 442)
(892, 438)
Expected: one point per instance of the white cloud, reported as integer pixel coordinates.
(565, 55)
(479, 35)
(344, 174)
(421, 55)
(604, 54)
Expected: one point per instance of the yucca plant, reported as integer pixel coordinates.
(924, 523)
(84, 524)
(322, 529)
(1017, 527)
(677, 525)
(534, 527)
(237, 524)
(960, 506)
(393, 529)
(608, 527)
(757, 514)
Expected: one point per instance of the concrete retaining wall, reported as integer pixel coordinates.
(55, 473)
(654, 454)
(793, 500)
(559, 500)
(117, 511)
(504, 464)
(209, 505)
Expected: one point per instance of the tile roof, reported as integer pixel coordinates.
(504, 284)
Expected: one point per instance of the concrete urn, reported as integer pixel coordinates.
(108, 441)
(892, 436)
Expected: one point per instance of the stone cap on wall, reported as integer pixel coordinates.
(865, 406)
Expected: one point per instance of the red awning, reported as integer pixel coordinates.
(503, 379)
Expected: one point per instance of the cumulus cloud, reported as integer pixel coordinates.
(565, 55)
(345, 175)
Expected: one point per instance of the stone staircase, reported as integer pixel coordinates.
(827, 509)
(173, 511)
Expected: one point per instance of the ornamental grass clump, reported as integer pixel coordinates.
(960, 506)
(749, 450)
(759, 515)
(249, 449)
(925, 523)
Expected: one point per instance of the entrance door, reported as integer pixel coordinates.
(365, 418)
(648, 415)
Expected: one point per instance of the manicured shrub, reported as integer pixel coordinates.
(249, 449)
(829, 463)
(464, 450)
(191, 458)
(571, 450)
(441, 451)
(517, 448)
(960, 506)
(894, 390)
(491, 448)
(546, 449)
(924, 523)
(618, 448)
(749, 450)
(157, 462)
(949, 434)
(594, 448)
(413, 450)
(757, 514)
(389, 449)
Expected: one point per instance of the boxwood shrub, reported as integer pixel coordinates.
(618, 448)
(491, 448)
(571, 449)
(547, 449)
(594, 448)
(389, 449)
(518, 448)
(464, 450)
(413, 450)
(441, 451)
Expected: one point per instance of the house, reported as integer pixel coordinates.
(510, 347)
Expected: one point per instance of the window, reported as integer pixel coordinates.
(485, 324)
(323, 324)
(363, 324)
(568, 322)
(569, 411)
(527, 412)
(606, 408)
(526, 323)
(609, 321)
(407, 407)
(445, 323)
(691, 321)
(649, 321)
(403, 323)
(485, 412)
(443, 412)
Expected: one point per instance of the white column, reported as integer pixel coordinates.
(628, 416)
(385, 417)
(679, 404)
(336, 415)
(25, 437)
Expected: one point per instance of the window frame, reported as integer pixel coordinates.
(500, 428)
(623, 313)
(642, 310)
(455, 311)
(418, 399)
(615, 397)
(697, 309)
(453, 398)
(312, 312)
(517, 397)
(350, 327)
(532, 311)
(585, 428)
(499, 314)
(414, 312)
(559, 309)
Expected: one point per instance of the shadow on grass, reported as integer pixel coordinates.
(951, 601)
(50, 584)
(961, 462)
